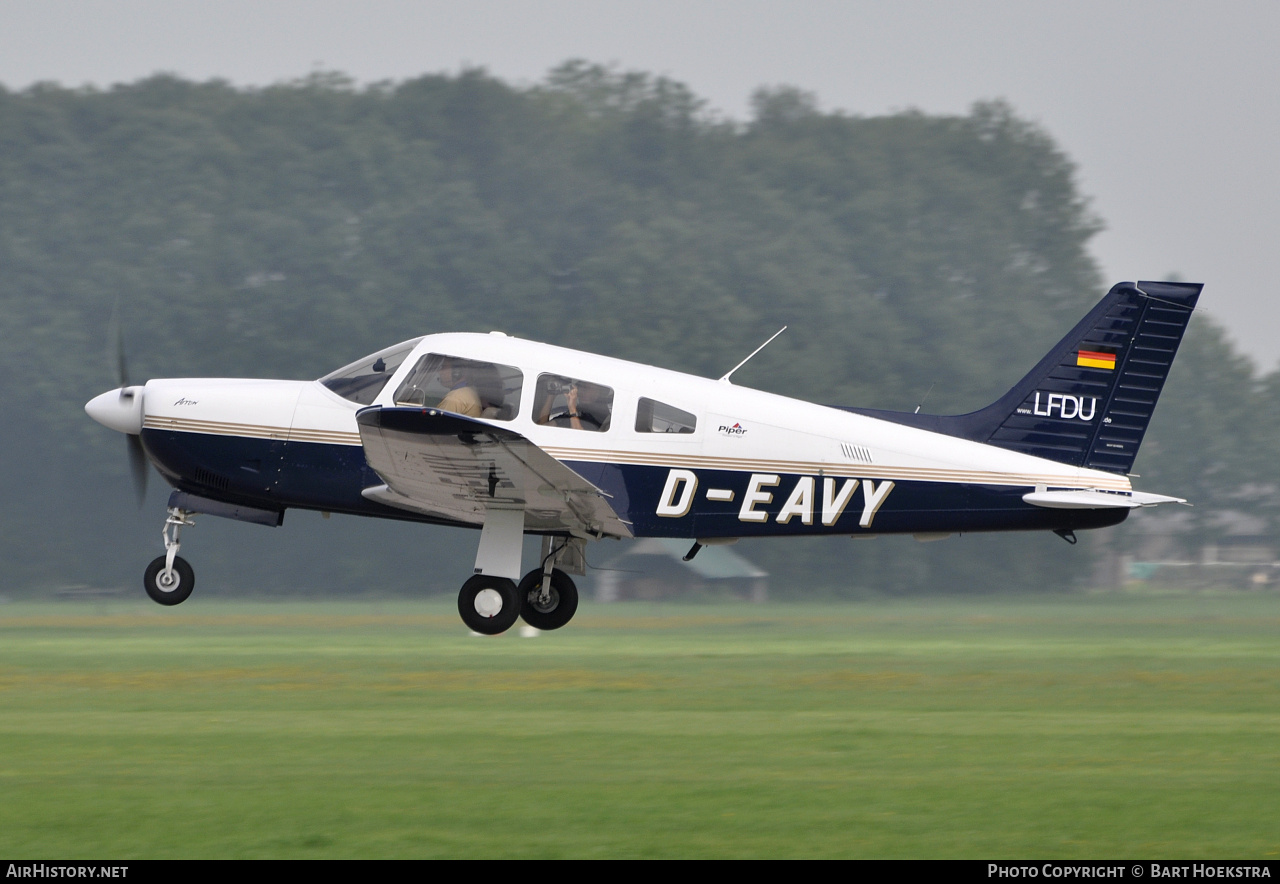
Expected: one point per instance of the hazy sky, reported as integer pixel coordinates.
(1171, 109)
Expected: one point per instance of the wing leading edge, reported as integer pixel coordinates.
(459, 468)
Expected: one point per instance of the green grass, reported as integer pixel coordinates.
(1109, 727)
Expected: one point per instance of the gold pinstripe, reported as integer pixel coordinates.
(250, 431)
(861, 471)
(687, 461)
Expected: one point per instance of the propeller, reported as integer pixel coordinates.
(137, 456)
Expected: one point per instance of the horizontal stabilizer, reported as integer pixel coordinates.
(1092, 499)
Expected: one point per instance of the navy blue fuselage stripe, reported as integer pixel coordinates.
(275, 474)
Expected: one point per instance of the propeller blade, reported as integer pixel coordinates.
(126, 414)
(138, 467)
(122, 367)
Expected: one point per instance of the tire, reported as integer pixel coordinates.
(169, 593)
(489, 605)
(558, 610)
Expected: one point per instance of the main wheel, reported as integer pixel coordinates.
(489, 605)
(170, 588)
(553, 610)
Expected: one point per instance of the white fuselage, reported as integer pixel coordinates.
(761, 436)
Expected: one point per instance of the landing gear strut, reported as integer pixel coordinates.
(169, 579)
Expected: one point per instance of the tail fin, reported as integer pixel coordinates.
(1088, 402)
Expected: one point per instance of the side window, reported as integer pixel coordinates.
(653, 416)
(567, 402)
(468, 387)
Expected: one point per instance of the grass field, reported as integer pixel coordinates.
(1105, 727)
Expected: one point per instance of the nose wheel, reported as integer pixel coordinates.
(169, 585)
(169, 580)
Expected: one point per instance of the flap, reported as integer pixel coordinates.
(1092, 499)
(456, 467)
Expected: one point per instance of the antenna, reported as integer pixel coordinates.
(924, 397)
(726, 380)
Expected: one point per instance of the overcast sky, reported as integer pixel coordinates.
(1171, 110)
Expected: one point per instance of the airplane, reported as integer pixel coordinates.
(516, 437)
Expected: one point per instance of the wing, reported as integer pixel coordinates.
(444, 464)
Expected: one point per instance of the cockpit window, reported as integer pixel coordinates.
(362, 381)
(568, 402)
(464, 386)
(653, 416)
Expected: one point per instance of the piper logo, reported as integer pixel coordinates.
(736, 430)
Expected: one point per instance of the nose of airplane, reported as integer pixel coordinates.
(121, 409)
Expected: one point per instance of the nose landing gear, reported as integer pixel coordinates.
(169, 579)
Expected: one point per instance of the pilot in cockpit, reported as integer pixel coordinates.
(462, 397)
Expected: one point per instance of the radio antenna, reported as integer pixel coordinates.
(924, 397)
(726, 380)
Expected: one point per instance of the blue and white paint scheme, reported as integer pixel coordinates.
(513, 437)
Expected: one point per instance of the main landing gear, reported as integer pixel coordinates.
(491, 605)
(547, 601)
(546, 598)
(491, 602)
(169, 579)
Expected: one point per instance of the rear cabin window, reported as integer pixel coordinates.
(653, 416)
(362, 381)
(576, 404)
(468, 387)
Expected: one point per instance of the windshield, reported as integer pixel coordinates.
(363, 380)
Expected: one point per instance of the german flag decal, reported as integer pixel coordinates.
(1094, 359)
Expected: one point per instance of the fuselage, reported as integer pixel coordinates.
(677, 455)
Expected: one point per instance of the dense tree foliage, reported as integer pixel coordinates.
(284, 231)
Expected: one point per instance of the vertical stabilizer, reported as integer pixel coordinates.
(1089, 401)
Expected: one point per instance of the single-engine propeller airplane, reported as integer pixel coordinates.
(513, 437)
